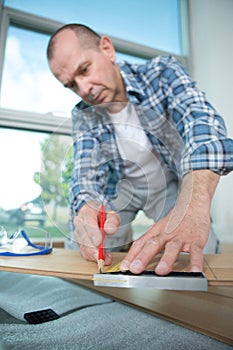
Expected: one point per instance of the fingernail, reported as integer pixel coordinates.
(124, 265)
(136, 266)
(195, 269)
(161, 267)
(110, 228)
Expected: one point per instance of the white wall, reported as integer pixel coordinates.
(211, 50)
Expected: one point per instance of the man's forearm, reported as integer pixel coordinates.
(194, 199)
(198, 188)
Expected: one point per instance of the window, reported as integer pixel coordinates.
(34, 181)
(153, 23)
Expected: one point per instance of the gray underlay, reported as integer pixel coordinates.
(87, 320)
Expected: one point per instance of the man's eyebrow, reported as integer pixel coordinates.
(66, 85)
(69, 82)
(79, 68)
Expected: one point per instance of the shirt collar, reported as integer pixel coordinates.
(133, 87)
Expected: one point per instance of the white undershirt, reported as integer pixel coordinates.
(141, 164)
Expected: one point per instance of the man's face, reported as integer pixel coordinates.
(89, 72)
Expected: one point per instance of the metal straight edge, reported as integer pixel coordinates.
(152, 282)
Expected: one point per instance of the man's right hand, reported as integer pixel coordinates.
(87, 232)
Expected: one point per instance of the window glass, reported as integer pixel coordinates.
(27, 82)
(28, 79)
(152, 23)
(34, 180)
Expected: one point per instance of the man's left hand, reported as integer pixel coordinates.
(185, 229)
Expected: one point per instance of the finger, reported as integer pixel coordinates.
(112, 222)
(88, 253)
(171, 252)
(137, 246)
(107, 259)
(132, 253)
(80, 233)
(151, 247)
(143, 250)
(87, 229)
(82, 238)
(196, 258)
(93, 231)
(91, 254)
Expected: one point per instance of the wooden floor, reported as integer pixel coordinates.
(227, 248)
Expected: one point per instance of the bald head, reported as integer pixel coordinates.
(86, 63)
(87, 38)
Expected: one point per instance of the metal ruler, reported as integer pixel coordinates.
(192, 281)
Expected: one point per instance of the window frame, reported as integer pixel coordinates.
(51, 122)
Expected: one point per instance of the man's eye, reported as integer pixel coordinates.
(85, 70)
(72, 85)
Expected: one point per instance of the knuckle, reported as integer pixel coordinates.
(174, 244)
(153, 242)
(83, 251)
(86, 252)
(138, 243)
(113, 217)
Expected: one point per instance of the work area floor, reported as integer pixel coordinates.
(87, 320)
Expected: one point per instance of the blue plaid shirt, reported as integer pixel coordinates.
(185, 130)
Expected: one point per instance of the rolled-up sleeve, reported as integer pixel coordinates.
(202, 129)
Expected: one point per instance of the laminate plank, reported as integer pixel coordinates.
(70, 264)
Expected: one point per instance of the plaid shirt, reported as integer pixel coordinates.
(185, 130)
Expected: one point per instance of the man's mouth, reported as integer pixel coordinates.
(98, 98)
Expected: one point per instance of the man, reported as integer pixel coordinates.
(174, 131)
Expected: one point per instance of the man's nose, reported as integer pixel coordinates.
(84, 88)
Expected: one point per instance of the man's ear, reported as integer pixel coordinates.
(106, 46)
